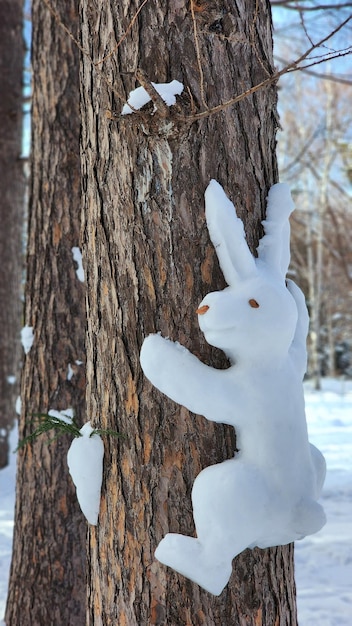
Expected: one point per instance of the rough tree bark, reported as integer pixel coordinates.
(11, 213)
(47, 581)
(149, 262)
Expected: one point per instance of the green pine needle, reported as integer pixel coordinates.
(49, 422)
(46, 423)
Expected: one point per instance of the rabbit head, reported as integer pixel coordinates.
(256, 316)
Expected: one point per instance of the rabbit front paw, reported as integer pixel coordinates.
(177, 373)
(161, 361)
(158, 354)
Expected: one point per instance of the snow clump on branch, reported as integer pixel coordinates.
(139, 97)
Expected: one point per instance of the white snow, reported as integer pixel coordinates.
(27, 338)
(77, 257)
(323, 561)
(266, 495)
(139, 97)
(70, 372)
(85, 463)
(7, 505)
(11, 379)
(65, 416)
(18, 405)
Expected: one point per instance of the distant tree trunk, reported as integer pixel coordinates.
(316, 322)
(331, 338)
(11, 213)
(149, 261)
(47, 581)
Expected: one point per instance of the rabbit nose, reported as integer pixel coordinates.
(202, 309)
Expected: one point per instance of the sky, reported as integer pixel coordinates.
(294, 33)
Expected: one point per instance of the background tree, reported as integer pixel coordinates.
(149, 262)
(313, 158)
(11, 213)
(47, 581)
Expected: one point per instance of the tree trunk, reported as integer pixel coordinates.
(11, 213)
(47, 581)
(149, 262)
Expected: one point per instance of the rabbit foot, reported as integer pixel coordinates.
(187, 556)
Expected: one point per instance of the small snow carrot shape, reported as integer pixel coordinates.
(84, 458)
(85, 464)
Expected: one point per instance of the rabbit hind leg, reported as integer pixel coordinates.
(229, 504)
(188, 557)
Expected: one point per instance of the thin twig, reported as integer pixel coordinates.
(84, 52)
(301, 7)
(333, 77)
(193, 108)
(155, 97)
(252, 38)
(199, 62)
(302, 151)
(303, 24)
(291, 67)
(124, 35)
(325, 59)
(67, 31)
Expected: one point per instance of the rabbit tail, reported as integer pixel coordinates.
(309, 517)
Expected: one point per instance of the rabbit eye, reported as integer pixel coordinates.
(253, 303)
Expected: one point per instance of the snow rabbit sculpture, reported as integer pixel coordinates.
(267, 494)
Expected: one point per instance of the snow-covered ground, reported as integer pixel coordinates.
(323, 561)
(7, 503)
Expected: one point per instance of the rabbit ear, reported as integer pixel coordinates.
(274, 247)
(227, 234)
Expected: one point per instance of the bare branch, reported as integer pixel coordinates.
(59, 21)
(293, 6)
(199, 62)
(155, 97)
(124, 35)
(309, 165)
(303, 24)
(302, 152)
(333, 77)
(291, 67)
(324, 59)
(252, 39)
